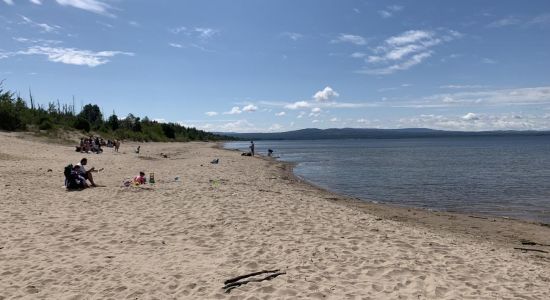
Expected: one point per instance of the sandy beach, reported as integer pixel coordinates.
(201, 224)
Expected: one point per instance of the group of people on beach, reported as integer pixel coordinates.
(252, 150)
(93, 144)
(77, 176)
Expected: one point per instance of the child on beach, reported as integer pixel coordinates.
(139, 179)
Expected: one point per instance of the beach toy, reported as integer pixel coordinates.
(215, 183)
(151, 178)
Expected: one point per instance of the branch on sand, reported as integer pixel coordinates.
(235, 282)
(529, 249)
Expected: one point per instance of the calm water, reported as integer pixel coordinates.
(503, 176)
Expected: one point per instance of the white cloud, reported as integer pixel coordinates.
(37, 41)
(385, 14)
(470, 117)
(406, 50)
(316, 110)
(414, 60)
(475, 122)
(297, 105)
(350, 38)
(275, 127)
(280, 114)
(205, 33)
(211, 113)
(73, 56)
(292, 35)
(9, 2)
(328, 104)
(238, 126)
(235, 110)
(520, 96)
(389, 11)
(315, 121)
(202, 33)
(105, 24)
(300, 115)
(179, 29)
(462, 86)
(508, 21)
(45, 27)
(408, 37)
(94, 6)
(250, 108)
(325, 95)
(38, 2)
(489, 61)
(358, 55)
(175, 45)
(543, 19)
(334, 119)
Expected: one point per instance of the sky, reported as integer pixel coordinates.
(265, 66)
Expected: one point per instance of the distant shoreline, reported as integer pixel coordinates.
(368, 133)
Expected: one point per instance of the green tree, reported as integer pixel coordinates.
(92, 114)
(9, 117)
(113, 122)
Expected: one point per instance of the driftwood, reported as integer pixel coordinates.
(529, 249)
(476, 217)
(235, 282)
(530, 243)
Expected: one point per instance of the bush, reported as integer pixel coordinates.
(45, 125)
(82, 124)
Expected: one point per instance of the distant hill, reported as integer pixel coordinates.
(367, 133)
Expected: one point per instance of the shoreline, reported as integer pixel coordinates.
(203, 223)
(503, 231)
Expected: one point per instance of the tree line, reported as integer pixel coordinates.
(17, 115)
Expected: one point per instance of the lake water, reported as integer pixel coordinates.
(502, 176)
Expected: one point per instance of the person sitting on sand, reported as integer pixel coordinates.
(87, 174)
(139, 179)
(76, 181)
(73, 178)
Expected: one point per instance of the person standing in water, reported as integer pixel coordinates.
(252, 148)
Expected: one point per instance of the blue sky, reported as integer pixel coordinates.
(281, 65)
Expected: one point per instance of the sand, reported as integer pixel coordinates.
(181, 239)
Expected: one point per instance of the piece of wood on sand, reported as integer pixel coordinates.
(232, 283)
